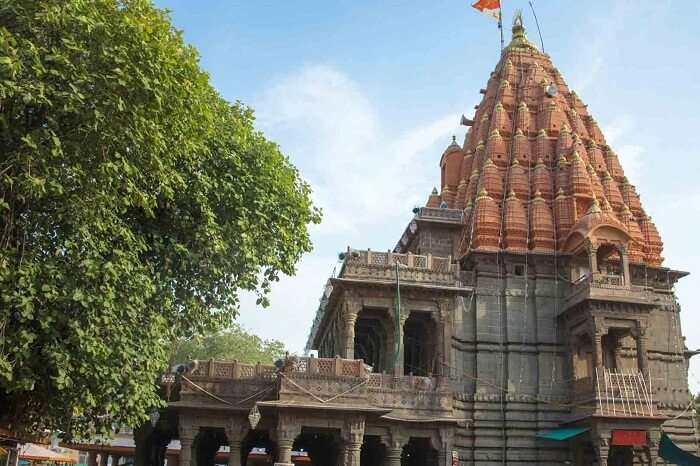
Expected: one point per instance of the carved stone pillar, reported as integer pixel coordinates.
(602, 448)
(640, 338)
(187, 433)
(235, 432)
(625, 266)
(445, 330)
(446, 446)
(598, 332)
(394, 443)
(353, 435)
(593, 257)
(349, 319)
(653, 449)
(287, 431)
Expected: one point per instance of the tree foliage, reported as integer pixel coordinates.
(136, 202)
(232, 344)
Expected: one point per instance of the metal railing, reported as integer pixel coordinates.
(621, 393)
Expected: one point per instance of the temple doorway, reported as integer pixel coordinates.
(373, 451)
(621, 456)
(321, 445)
(419, 452)
(257, 449)
(372, 338)
(419, 344)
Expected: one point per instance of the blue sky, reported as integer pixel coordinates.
(364, 95)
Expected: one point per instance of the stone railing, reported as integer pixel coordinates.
(605, 287)
(433, 213)
(346, 382)
(412, 394)
(213, 369)
(380, 265)
(331, 367)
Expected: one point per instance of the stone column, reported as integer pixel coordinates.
(235, 432)
(445, 332)
(640, 338)
(353, 435)
(446, 445)
(598, 331)
(234, 454)
(625, 264)
(187, 433)
(602, 447)
(349, 319)
(92, 458)
(593, 258)
(394, 443)
(288, 428)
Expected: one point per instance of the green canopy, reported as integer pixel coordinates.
(673, 454)
(562, 434)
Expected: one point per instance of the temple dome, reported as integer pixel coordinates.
(532, 134)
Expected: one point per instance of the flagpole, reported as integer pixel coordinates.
(538, 25)
(500, 24)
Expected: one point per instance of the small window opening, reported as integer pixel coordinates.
(519, 270)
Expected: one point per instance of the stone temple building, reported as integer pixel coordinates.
(524, 317)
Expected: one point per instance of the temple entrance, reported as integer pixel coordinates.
(372, 452)
(207, 444)
(257, 449)
(621, 456)
(371, 338)
(419, 345)
(321, 445)
(419, 452)
(609, 262)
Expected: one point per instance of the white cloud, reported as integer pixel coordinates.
(358, 171)
(365, 178)
(619, 134)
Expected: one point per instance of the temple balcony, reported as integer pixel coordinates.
(440, 215)
(613, 393)
(323, 383)
(413, 268)
(604, 287)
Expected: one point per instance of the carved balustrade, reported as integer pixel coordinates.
(443, 215)
(607, 288)
(381, 265)
(329, 381)
(237, 384)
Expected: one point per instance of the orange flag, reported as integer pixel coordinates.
(489, 7)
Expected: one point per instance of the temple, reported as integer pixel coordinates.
(524, 317)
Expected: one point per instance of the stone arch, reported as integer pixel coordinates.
(419, 451)
(252, 445)
(373, 451)
(374, 338)
(323, 446)
(420, 344)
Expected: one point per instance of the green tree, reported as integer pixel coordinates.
(135, 204)
(232, 344)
